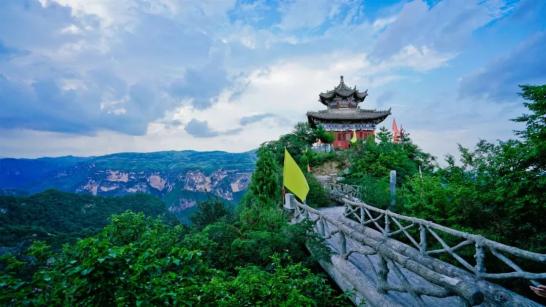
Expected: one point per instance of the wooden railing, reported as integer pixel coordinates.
(384, 259)
(339, 191)
(418, 232)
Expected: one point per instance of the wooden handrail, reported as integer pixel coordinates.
(363, 212)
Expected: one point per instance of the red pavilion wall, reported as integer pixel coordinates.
(342, 139)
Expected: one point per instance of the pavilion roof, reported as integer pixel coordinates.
(348, 115)
(342, 90)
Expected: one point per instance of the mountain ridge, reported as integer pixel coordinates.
(128, 152)
(179, 178)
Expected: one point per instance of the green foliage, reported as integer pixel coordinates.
(59, 217)
(375, 191)
(369, 158)
(297, 143)
(266, 231)
(319, 158)
(260, 232)
(372, 159)
(133, 260)
(209, 212)
(265, 186)
(384, 135)
(137, 260)
(447, 204)
(494, 183)
(501, 183)
(317, 197)
(323, 135)
(267, 180)
(282, 285)
(534, 134)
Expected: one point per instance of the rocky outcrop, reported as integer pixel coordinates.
(182, 205)
(139, 187)
(196, 181)
(107, 188)
(157, 182)
(91, 186)
(117, 176)
(180, 178)
(222, 183)
(241, 182)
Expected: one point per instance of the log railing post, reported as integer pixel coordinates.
(422, 239)
(392, 186)
(480, 257)
(362, 216)
(387, 227)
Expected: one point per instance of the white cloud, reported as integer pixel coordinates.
(444, 27)
(306, 13)
(71, 29)
(419, 58)
(152, 67)
(73, 85)
(381, 23)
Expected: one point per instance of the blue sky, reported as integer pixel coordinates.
(99, 76)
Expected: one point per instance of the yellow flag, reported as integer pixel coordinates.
(293, 178)
(354, 139)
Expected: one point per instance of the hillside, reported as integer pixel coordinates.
(59, 217)
(179, 178)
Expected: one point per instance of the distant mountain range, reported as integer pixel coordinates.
(179, 178)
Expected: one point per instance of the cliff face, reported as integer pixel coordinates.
(179, 178)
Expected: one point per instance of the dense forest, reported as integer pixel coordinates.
(253, 256)
(57, 217)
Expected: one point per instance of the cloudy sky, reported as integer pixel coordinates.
(100, 76)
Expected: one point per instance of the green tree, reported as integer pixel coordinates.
(265, 187)
(282, 285)
(58, 217)
(323, 135)
(208, 212)
(501, 183)
(297, 143)
(317, 197)
(374, 160)
(143, 261)
(384, 135)
(534, 134)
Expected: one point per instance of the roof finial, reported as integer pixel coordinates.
(341, 77)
